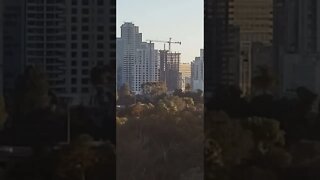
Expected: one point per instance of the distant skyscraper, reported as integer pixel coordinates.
(145, 66)
(65, 38)
(169, 69)
(255, 20)
(1, 48)
(13, 43)
(131, 39)
(231, 28)
(120, 53)
(137, 61)
(221, 46)
(197, 73)
(299, 44)
(185, 75)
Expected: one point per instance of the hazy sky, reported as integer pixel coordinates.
(161, 19)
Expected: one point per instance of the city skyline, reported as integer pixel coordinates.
(161, 24)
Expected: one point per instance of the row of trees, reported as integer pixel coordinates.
(32, 116)
(160, 137)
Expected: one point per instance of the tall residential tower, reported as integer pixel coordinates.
(65, 38)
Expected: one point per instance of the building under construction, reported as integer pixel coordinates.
(169, 69)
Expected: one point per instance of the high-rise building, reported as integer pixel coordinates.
(131, 39)
(146, 66)
(255, 20)
(65, 38)
(231, 28)
(221, 46)
(299, 47)
(91, 41)
(13, 43)
(119, 63)
(137, 61)
(197, 73)
(1, 49)
(169, 69)
(185, 75)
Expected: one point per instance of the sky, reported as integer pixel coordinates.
(182, 20)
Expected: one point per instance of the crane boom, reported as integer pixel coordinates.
(169, 42)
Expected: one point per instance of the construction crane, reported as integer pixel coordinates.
(169, 42)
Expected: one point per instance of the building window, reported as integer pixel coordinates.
(74, 2)
(85, 37)
(85, 63)
(73, 81)
(85, 28)
(112, 37)
(73, 71)
(85, 72)
(73, 54)
(113, 11)
(85, 90)
(74, 28)
(85, 11)
(85, 2)
(113, 45)
(74, 45)
(85, 81)
(112, 54)
(74, 10)
(100, 37)
(85, 20)
(85, 46)
(85, 54)
(100, 45)
(100, 54)
(100, 2)
(74, 63)
(74, 90)
(74, 37)
(112, 28)
(100, 28)
(74, 19)
(101, 11)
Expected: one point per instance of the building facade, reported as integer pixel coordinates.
(146, 66)
(137, 61)
(119, 63)
(299, 47)
(131, 39)
(65, 38)
(13, 44)
(1, 49)
(169, 69)
(197, 73)
(185, 75)
(221, 47)
(255, 20)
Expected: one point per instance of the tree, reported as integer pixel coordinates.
(31, 92)
(3, 113)
(164, 144)
(240, 149)
(103, 79)
(153, 89)
(124, 90)
(83, 157)
(188, 87)
(264, 81)
(77, 159)
(125, 95)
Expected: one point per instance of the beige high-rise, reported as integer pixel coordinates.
(255, 20)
